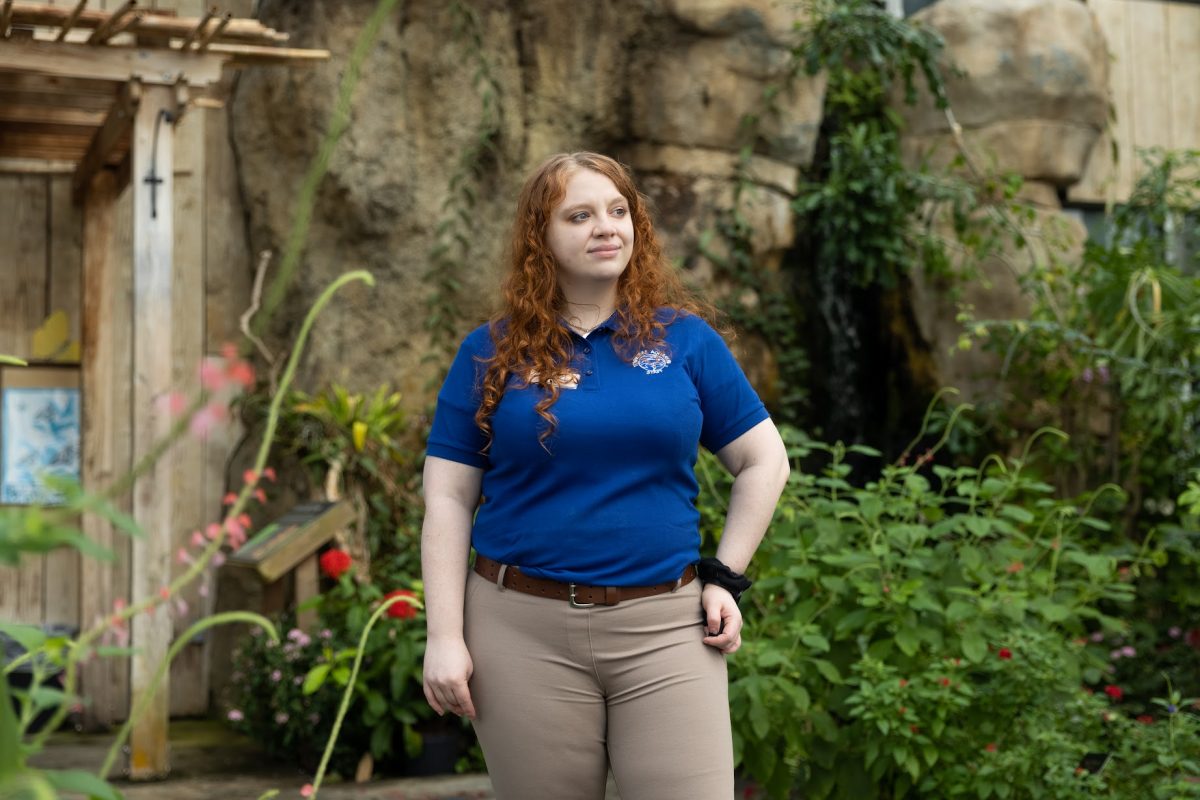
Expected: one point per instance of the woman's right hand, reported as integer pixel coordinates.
(447, 670)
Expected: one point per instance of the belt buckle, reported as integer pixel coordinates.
(573, 602)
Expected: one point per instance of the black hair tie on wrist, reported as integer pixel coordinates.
(713, 570)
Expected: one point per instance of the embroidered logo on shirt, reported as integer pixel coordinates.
(652, 361)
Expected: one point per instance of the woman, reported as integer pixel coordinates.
(580, 641)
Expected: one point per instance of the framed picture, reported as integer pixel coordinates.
(40, 431)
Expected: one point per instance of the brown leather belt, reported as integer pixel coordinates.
(576, 594)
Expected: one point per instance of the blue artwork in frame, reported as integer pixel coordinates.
(40, 433)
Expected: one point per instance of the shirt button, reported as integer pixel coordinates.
(587, 350)
(587, 372)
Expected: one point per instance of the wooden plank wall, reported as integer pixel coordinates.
(41, 265)
(1154, 80)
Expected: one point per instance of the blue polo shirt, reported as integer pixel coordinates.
(613, 501)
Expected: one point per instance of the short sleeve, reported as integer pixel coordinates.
(727, 400)
(454, 435)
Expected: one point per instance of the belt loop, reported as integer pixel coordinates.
(678, 583)
(500, 577)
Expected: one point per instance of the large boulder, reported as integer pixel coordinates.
(1033, 94)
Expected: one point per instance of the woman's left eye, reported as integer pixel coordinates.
(619, 211)
(580, 217)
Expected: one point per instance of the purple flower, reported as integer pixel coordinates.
(235, 716)
(276, 676)
(1098, 636)
(1128, 651)
(1115, 654)
(1103, 371)
(1086, 376)
(1174, 631)
(1171, 709)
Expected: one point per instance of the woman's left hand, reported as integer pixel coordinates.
(722, 614)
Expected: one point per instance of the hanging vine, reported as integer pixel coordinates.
(452, 237)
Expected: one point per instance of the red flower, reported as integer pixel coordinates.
(402, 610)
(1114, 692)
(334, 563)
(1005, 654)
(945, 681)
(1146, 719)
(915, 728)
(990, 747)
(1014, 567)
(1192, 637)
(903, 682)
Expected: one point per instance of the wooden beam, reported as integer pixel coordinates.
(153, 501)
(84, 103)
(151, 66)
(130, 21)
(36, 166)
(70, 21)
(107, 416)
(50, 115)
(101, 33)
(116, 127)
(209, 36)
(240, 29)
(196, 31)
(242, 55)
(5, 18)
(54, 85)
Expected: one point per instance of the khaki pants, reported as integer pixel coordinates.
(562, 693)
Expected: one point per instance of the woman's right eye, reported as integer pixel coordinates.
(580, 217)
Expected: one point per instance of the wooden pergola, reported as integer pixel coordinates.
(98, 94)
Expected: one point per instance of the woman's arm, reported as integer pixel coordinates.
(758, 462)
(451, 495)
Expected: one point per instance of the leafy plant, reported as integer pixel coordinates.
(922, 631)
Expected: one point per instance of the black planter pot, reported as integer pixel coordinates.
(440, 750)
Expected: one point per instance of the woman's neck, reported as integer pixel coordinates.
(585, 313)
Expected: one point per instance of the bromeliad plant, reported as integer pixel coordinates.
(922, 632)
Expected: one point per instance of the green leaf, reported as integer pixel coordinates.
(315, 678)
(974, 645)
(908, 641)
(815, 642)
(30, 637)
(828, 671)
(10, 736)
(83, 783)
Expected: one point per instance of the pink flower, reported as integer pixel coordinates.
(269, 473)
(206, 420)
(240, 372)
(250, 476)
(306, 790)
(229, 351)
(1128, 651)
(217, 560)
(281, 718)
(164, 593)
(183, 556)
(197, 539)
(260, 495)
(229, 499)
(213, 531)
(181, 607)
(276, 676)
(235, 716)
(237, 532)
(173, 404)
(212, 374)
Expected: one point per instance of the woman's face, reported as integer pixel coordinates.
(590, 232)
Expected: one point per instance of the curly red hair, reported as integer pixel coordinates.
(529, 333)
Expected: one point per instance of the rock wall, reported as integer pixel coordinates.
(660, 85)
(1032, 99)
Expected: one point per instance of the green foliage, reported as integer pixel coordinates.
(1111, 352)
(921, 632)
(374, 443)
(287, 696)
